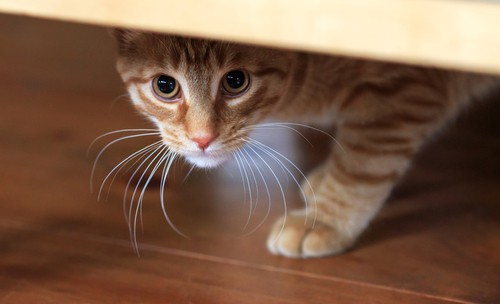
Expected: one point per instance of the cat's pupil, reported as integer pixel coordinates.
(235, 79)
(166, 84)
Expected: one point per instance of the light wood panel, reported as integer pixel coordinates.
(448, 33)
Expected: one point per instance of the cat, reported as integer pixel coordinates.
(203, 95)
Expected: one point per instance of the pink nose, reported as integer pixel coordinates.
(203, 140)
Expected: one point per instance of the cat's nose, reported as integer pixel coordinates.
(204, 140)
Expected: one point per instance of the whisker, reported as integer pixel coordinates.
(166, 169)
(124, 162)
(138, 157)
(242, 178)
(282, 193)
(128, 214)
(188, 174)
(268, 194)
(265, 126)
(269, 151)
(134, 236)
(164, 155)
(119, 131)
(254, 181)
(308, 127)
(247, 180)
(142, 158)
(106, 147)
(117, 99)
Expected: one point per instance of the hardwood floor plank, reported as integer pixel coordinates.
(77, 267)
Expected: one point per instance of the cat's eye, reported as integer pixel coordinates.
(166, 88)
(235, 82)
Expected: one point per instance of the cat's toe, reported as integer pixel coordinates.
(299, 238)
(286, 239)
(322, 240)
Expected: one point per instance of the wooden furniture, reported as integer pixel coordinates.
(448, 33)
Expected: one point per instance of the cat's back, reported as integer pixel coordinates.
(351, 79)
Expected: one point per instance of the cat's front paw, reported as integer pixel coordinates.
(299, 238)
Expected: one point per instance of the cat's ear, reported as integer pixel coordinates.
(124, 37)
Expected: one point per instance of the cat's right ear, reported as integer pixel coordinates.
(124, 37)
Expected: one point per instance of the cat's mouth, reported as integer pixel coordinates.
(207, 159)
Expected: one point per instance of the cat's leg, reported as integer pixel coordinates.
(352, 184)
(314, 182)
(349, 189)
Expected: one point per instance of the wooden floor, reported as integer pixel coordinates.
(436, 241)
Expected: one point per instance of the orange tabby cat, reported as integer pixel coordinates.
(203, 96)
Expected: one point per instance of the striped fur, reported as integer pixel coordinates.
(383, 113)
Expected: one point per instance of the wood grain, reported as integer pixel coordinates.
(448, 33)
(437, 240)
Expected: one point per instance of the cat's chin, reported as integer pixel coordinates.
(207, 161)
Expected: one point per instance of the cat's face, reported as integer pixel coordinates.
(204, 96)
